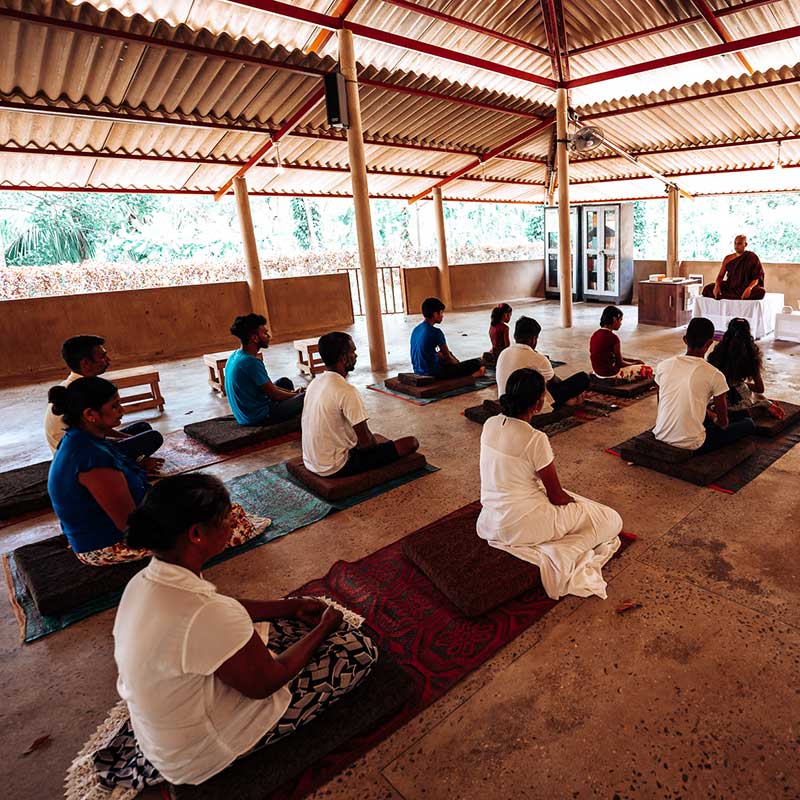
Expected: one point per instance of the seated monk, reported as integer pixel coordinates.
(337, 441)
(741, 276)
(93, 486)
(201, 684)
(606, 353)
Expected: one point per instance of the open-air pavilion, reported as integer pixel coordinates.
(692, 692)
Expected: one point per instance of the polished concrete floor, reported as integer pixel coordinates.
(695, 694)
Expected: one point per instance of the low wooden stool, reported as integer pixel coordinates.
(308, 360)
(138, 376)
(216, 369)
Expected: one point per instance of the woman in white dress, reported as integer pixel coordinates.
(525, 510)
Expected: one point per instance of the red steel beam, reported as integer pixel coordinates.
(557, 13)
(343, 8)
(668, 26)
(708, 15)
(409, 5)
(496, 151)
(725, 48)
(548, 18)
(720, 171)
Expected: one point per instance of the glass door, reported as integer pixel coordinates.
(593, 253)
(551, 248)
(610, 251)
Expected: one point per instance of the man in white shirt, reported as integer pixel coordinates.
(337, 441)
(86, 357)
(523, 355)
(686, 385)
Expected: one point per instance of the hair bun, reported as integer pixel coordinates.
(57, 396)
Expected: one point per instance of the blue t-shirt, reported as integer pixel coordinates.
(425, 338)
(244, 377)
(82, 519)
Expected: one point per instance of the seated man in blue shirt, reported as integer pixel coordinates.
(254, 399)
(429, 352)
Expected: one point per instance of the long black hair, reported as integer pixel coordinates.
(498, 312)
(71, 401)
(524, 388)
(737, 356)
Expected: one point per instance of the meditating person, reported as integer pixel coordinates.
(686, 385)
(738, 358)
(254, 399)
(337, 441)
(498, 328)
(87, 357)
(606, 354)
(93, 486)
(523, 354)
(741, 276)
(204, 679)
(429, 352)
(526, 512)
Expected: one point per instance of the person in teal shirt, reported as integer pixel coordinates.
(254, 399)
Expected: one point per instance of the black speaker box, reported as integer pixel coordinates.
(336, 100)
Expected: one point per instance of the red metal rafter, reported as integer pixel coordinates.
(548, 17)
(301, 14)
(463, 23)
(496, 151)
(708, 15)
(343, 8)
(557, 13)
(668, 26)
(720, 171)
(746, 43)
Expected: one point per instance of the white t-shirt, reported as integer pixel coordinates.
(172, 631)
(53, 424)
(686, 384)
(331, 408)
(521, 356)
(512, 452)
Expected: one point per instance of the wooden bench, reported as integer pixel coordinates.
(138, 376)
(216, 369)
(308, 360)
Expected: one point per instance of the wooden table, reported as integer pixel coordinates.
(664, 303)
(138, 376)
(215, 362)
(308, 360)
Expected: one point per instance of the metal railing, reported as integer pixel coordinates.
(389, 289)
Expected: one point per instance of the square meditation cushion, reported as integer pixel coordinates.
(474, 576)
(412, 379)
(23, 490)
(223, 434)
(645, 451)
(431, 389)
(58, 582)
(767, 425)
(491, 408)
(620, 388)
(384, 692)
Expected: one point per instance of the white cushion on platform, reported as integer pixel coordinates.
(759, 313)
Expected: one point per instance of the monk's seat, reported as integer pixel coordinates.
(436, 387)
(223, 434)
(381, 694)
(333, 489)
(23, 490)
(58, 582)
(619, 388)
(491, 408)
(645, 450)
(474, 576)
(767, 425)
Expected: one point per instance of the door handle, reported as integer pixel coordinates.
(671, 302)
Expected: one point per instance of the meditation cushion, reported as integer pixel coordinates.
(489, 359)
(645, 451)
(58, 582)
(412, 379)
(384, 692)
(333, 489)
(618, 388)
(23, 490)
(431, 389)
(491, 408)
(474, 576)
(767, 425)
(223, 434)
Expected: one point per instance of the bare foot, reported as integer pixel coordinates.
(576, 401)
(480, 373)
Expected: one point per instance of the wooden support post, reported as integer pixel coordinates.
(358, 178)
(255, 282)
(672, 231)
(445, 294)
(564, 238)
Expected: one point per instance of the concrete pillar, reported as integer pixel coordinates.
(358, 177)
(255, 281)
(445, 294)
(672, 232)
(564, 238)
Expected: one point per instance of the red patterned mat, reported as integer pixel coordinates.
(425, 633)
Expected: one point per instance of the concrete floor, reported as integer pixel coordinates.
(693, 695)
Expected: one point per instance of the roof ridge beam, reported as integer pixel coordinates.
(719, 171)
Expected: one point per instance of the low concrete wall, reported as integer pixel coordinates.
(148, 325)
(476, 285)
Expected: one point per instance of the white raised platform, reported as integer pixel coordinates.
(787, 327)
(759, 313)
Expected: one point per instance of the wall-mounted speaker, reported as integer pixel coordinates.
(336, 100)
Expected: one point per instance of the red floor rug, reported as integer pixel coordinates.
(425, 633)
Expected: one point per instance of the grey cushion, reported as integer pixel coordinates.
(223, 434)
(621, 388)
(431, 389)
(491, 408)
(23, 490)
(767, 425)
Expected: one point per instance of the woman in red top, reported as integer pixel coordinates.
(498, 328)
(606, 354)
